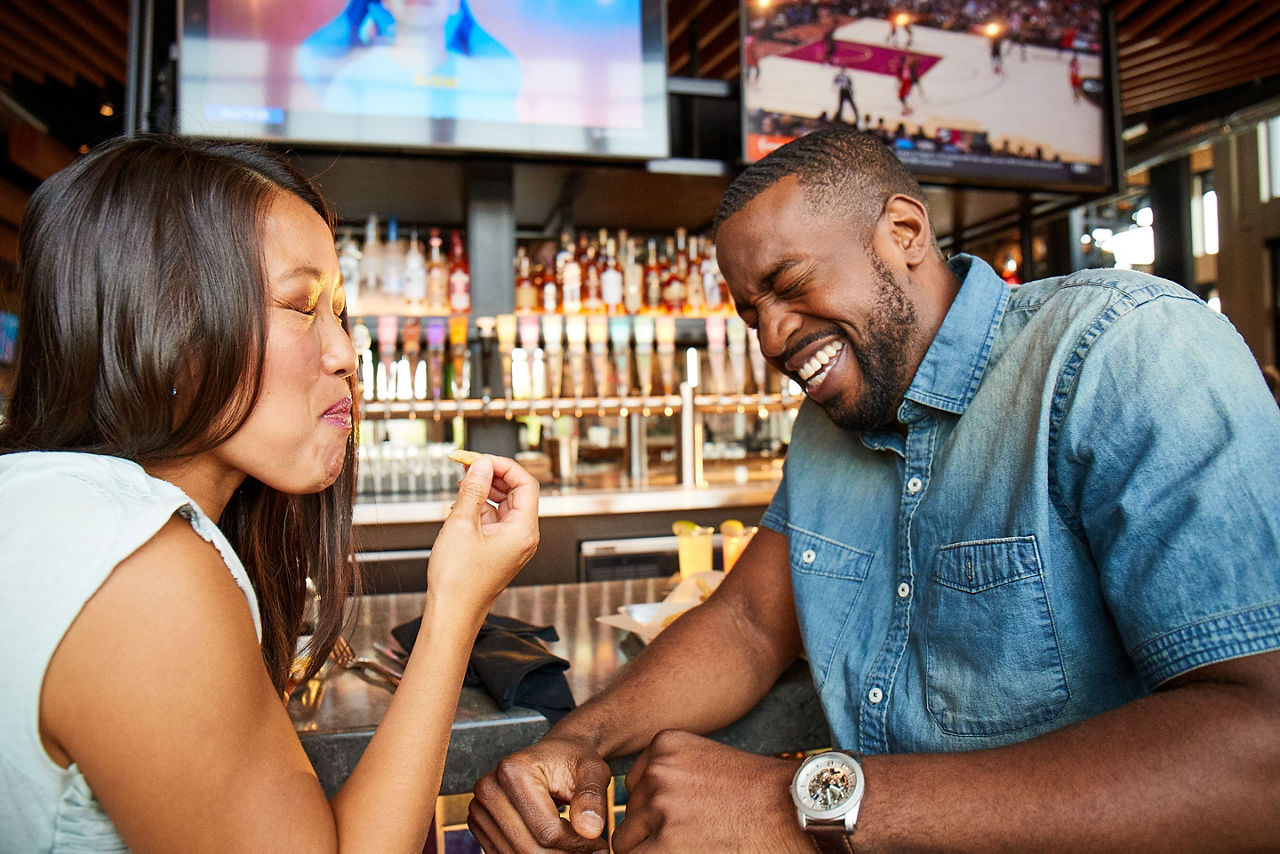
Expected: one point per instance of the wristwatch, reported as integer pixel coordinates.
(827, 790)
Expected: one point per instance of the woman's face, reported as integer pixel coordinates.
(422, 16)
(295, 439)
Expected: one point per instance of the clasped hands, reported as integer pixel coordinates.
(685, 793)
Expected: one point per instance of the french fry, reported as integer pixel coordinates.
(703, 588)
(465, 457)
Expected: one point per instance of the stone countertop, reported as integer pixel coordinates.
(335, 718)
(577, 501)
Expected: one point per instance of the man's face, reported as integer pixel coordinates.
(830, 312)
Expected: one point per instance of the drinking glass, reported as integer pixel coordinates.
(694, 544)
(732, 542)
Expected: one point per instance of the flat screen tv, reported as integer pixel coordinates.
(1011, 93)
(553, 77)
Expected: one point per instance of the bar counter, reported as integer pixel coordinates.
(336, 717)
(556, 501)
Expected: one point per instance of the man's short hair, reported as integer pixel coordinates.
(843, 173)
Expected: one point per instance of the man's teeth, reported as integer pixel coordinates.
(819, 360)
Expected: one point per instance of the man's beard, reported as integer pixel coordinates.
(883, 360)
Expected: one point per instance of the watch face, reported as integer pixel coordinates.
(827, 785)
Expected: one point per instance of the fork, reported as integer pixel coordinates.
(345, 657)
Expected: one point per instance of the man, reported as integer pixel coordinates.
(843, 83)
(829, 24)
(1028, 541)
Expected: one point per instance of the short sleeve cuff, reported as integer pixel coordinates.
(1209, 641)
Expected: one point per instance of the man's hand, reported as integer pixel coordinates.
(516, 807)
(690, 794)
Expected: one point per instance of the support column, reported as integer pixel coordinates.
(491, 240)
(1171, 222)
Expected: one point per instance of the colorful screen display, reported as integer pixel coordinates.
(8, 338)
(981, 92)
(578, 77)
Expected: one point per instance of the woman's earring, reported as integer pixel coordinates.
(173, 392)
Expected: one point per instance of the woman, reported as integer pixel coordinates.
(184, 403)
(430, 59)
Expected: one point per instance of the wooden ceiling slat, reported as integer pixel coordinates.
(1151, 13)
(13, 201)
(8, 68)
(1241, 60)
(33, 62)
(1135, 48)
(36, 153)
(723, 61)
(111, 19)
(1183, 54)
(1261, 27)
(58, 51)
(1125, 9)
(1180, 90)
(675, 29)
(679, 13)
(1196, 21)
(726, 28)
(115, 12)
(81, 39)
(8, 244)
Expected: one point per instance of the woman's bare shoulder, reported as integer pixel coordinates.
(168, 614)
(158, 690)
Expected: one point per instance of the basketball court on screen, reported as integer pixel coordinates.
(1030, 104)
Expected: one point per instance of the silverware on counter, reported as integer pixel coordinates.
(345, 657)
(391, 654)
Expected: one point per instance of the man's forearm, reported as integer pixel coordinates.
(709, 667)
(1194, 768)
(699, 675)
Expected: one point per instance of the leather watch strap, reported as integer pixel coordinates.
(829, 839)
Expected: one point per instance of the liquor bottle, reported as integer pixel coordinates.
(545, 281)
(459, 276)
(393, 261)
(415, 272)
(564, 252)
(437, 275)
(611, 279)
(713, 280)
(694, 295)
(569, 276)
(632, 278)
(371, 256)
(584, 243)
(652, 278)
(673, 282)
(527, 296)
(592, 294)
(349, 258)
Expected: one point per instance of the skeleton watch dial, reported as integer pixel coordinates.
(827, 785)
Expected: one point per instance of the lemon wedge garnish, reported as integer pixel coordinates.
(684, 526)
(732, 527)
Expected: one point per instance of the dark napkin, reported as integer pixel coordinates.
(510, 664)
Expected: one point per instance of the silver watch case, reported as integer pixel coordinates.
(827, 789)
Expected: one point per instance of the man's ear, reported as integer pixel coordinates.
(908, 229)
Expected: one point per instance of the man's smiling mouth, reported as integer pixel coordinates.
(814, 371)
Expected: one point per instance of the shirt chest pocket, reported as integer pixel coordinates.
(992, 659)
(827, 577)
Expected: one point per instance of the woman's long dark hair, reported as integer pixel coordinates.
(143, 329)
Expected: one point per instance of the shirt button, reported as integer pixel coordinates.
(904, 590)
(915, 485)
(875, 695)
(809, 556)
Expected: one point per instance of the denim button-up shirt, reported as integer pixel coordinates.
(1086, 503)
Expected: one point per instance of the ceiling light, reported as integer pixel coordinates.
(1134, 131)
